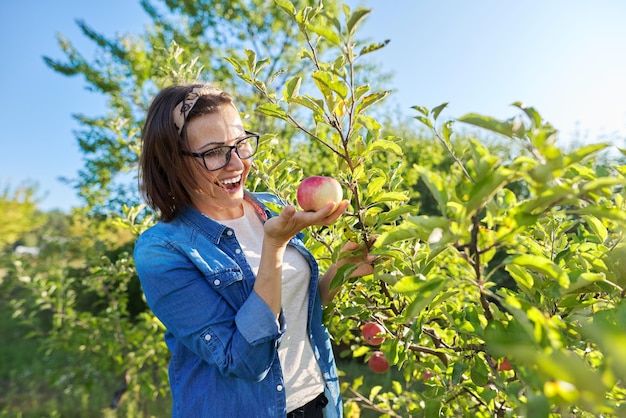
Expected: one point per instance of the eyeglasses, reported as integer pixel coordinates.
(219, 157)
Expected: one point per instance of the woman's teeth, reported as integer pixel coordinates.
(231, 182)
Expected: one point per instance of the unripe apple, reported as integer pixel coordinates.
(315, 192)
(378, 362)
(371, 331)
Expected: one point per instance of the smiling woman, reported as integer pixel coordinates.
(232, 282)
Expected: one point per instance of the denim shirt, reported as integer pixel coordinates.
(223, 337)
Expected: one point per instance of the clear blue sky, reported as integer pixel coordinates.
(567, 58)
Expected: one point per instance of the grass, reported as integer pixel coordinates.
(26, 389)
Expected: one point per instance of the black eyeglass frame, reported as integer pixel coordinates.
(249, 135)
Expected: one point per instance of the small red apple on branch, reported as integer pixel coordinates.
(373, 333)
(504, 365)
(378, 362)
(315, 192)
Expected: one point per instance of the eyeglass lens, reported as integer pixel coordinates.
(219, 157)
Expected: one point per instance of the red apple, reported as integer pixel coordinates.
(315, 192)
(505, 365)
(427, 374)
(378, 362)
(371, 333)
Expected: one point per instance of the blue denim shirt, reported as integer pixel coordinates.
(222, 336)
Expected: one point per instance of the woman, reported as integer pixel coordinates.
(236, 289)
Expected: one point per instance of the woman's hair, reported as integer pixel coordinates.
(165, 175)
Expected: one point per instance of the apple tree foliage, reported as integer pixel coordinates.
(482, 256)
(440, 284)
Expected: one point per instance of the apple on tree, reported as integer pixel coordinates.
(315, 192)
(373, 333)
(378, 362)
(505, 365)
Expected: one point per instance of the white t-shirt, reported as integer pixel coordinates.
(302, 375)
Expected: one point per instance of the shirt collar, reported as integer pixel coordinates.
(213, 229)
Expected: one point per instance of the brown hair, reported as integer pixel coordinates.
(165, 176)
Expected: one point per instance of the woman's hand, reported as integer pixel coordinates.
(360, 257)
(280, 229)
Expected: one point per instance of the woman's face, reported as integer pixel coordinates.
(221, 191)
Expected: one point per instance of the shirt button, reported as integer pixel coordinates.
(237, 251)
(216, 282)
(229, 232)
(279, 388)
(207, 337)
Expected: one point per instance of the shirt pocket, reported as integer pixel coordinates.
(223, 275)
(229, 284)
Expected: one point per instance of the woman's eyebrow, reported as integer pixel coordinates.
(241, 136)
(211, 143)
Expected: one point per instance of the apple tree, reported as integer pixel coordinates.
(507, 300)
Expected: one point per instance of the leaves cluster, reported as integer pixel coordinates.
(518, 260)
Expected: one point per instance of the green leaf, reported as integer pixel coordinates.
(547, 199)
(457, 371)
(584, 152)
(306, 101)
(397, 387)
(486, 188)
(273, 110)
(423, 110)
(479, 372)
(488, 123)
(395, 214)
(543, 266)
(521, 276)
(376, 184)
(370, 100)
(292, 88)
(355, 19)
(409, 284)
(607, 329)
(373, 47)
(602, 212)
(360, 351)
(533, 115)
(435, 185)
(597, 227)
(538, 405)
(280, 72)
(601, 183)
(327, 82)
(583, 280)
(236, 64)
(424, 295)
(402, 232)
(251, 61)
(287, 6)
(326, 32)
(437, 110)
(424, 121)
(390, 197)
(384, 145)
(341, 275)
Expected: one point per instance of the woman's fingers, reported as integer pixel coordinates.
(290, 221)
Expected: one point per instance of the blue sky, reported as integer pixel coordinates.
(567, 58)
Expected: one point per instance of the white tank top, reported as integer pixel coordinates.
(302, 375)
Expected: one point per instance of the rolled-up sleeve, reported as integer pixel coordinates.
(255, 318)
